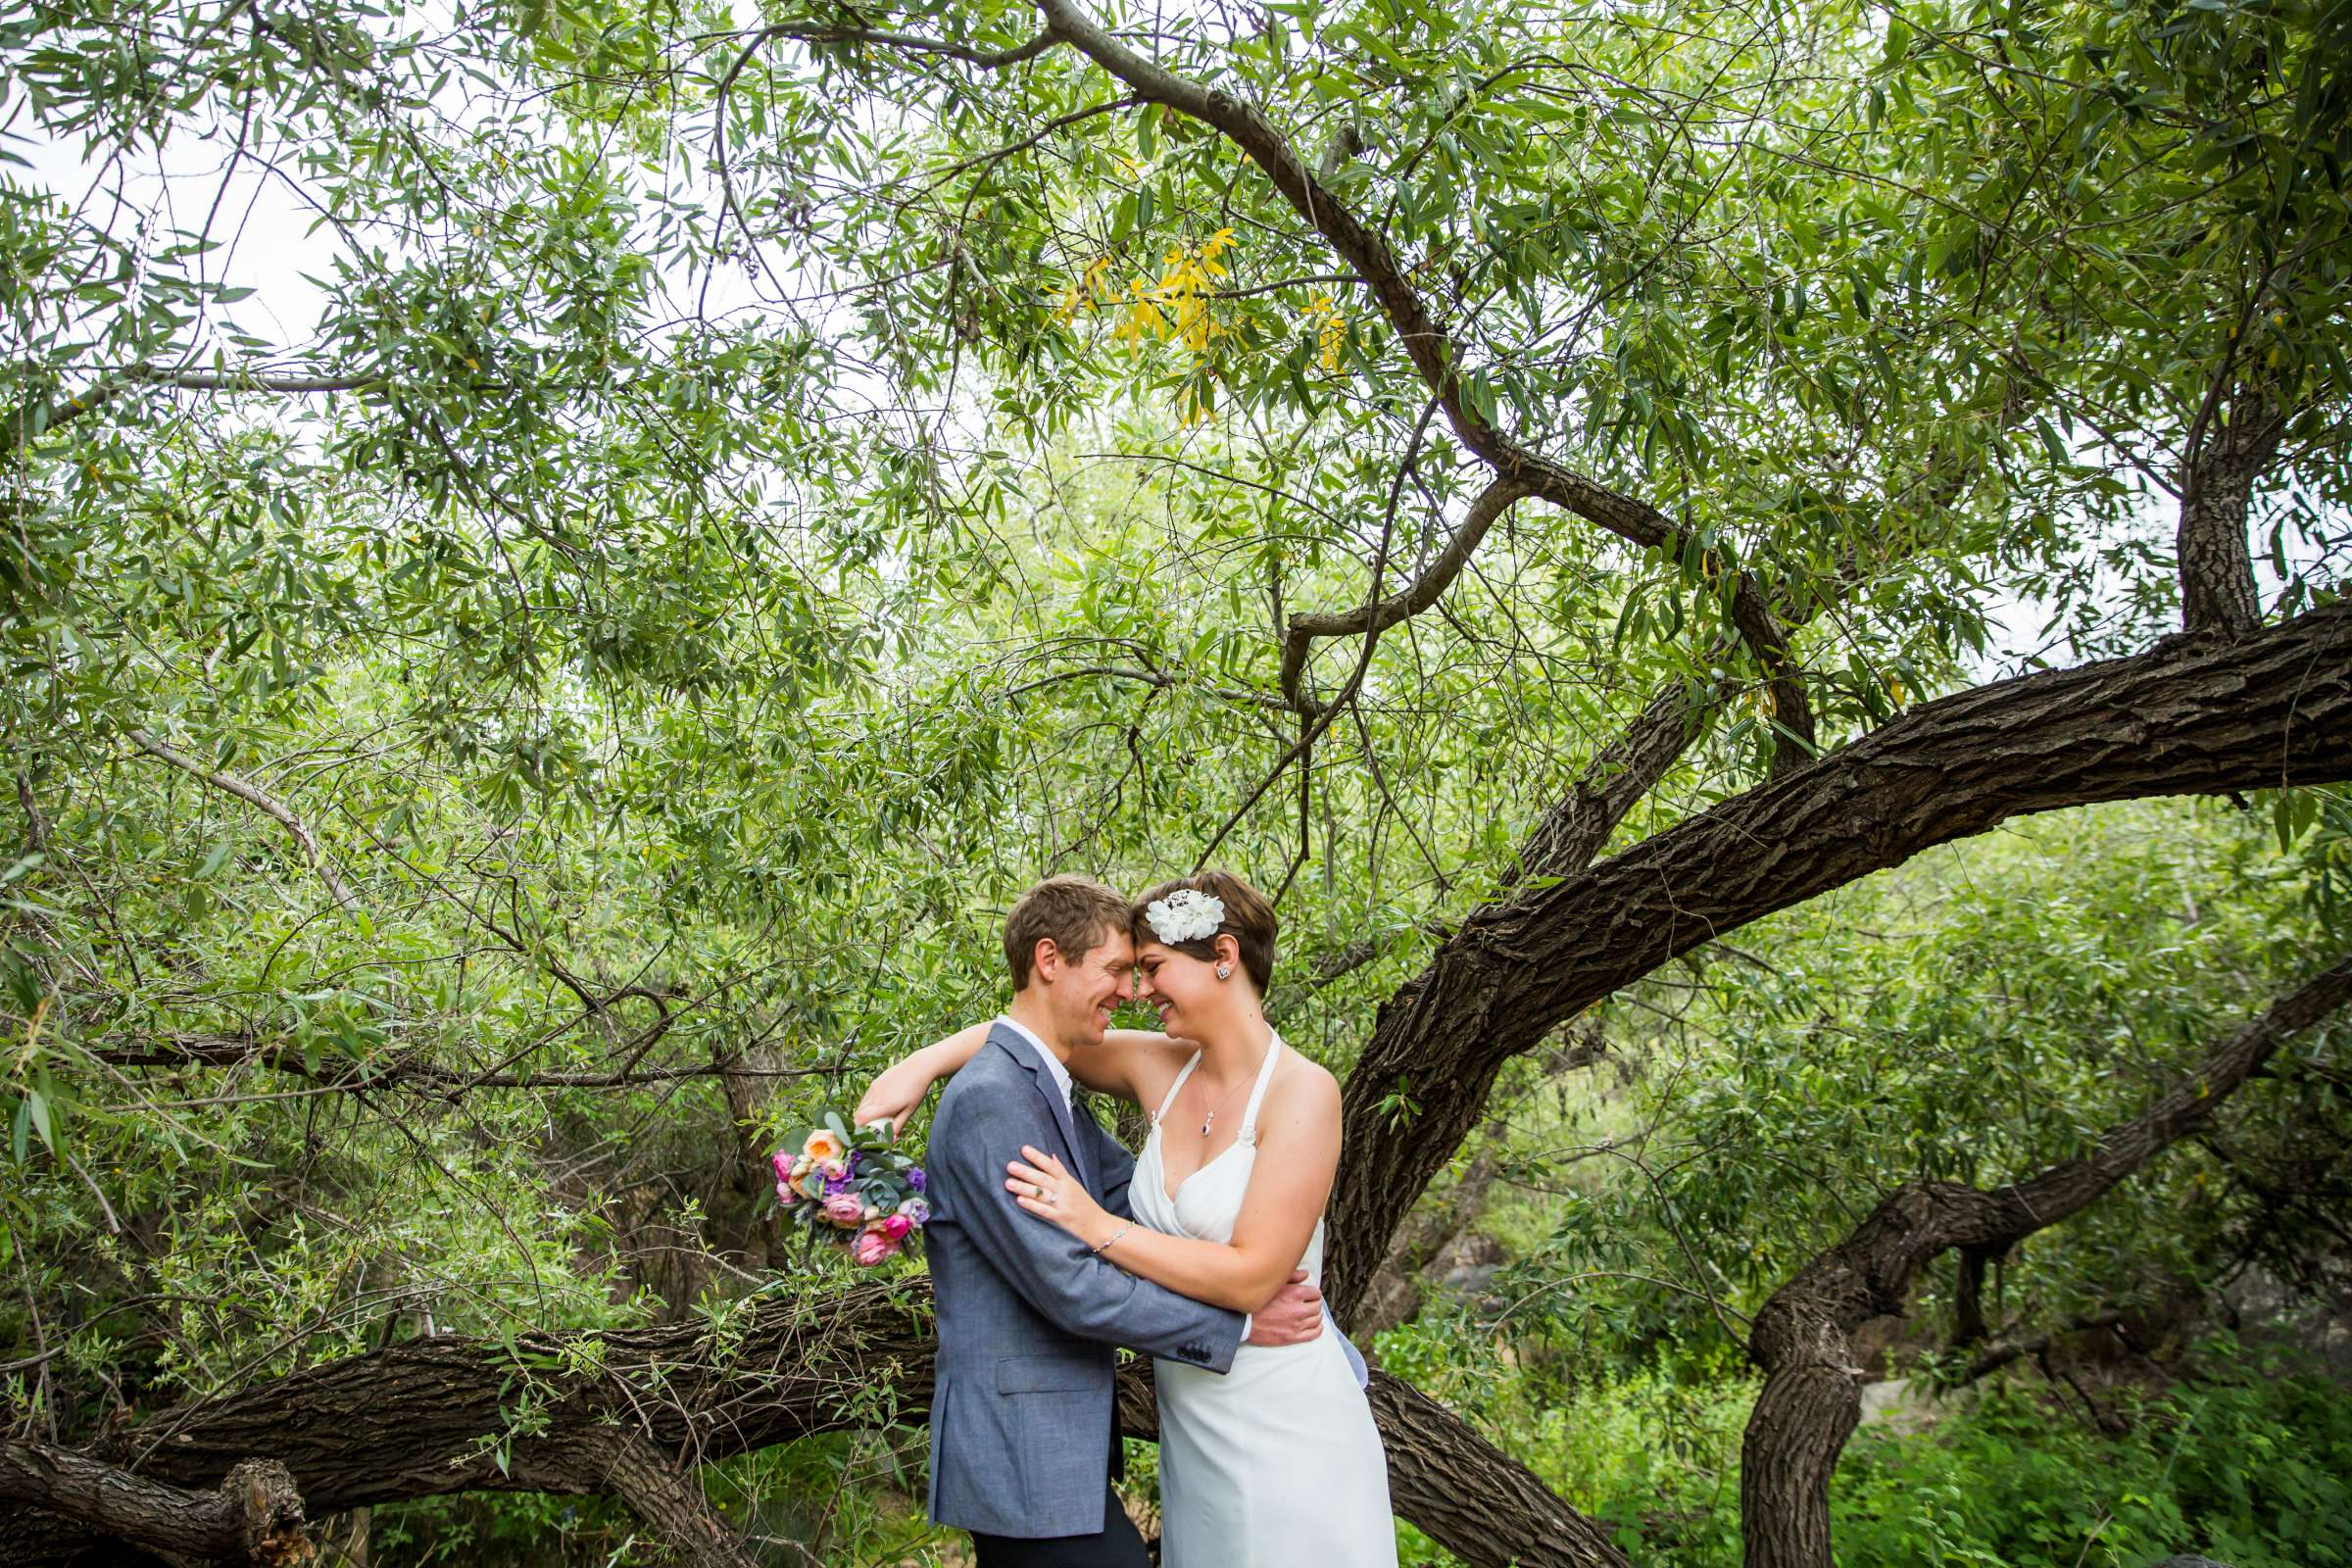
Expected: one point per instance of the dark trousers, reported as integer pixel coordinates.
(1116, 1546)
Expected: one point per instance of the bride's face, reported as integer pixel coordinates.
(1176, 985)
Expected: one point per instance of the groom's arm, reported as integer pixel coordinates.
(1049, 1268)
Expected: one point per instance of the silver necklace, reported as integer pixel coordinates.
(1210, 1119)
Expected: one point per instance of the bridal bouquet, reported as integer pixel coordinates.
(852, 1189)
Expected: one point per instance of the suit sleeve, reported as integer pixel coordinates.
(1048, 1268)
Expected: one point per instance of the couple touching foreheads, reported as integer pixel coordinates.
(1051, 1244)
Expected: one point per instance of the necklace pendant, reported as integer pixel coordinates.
(1206, 1122)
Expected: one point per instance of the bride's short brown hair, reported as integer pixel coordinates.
(1248, 919)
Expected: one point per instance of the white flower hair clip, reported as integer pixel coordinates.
(1186, 914)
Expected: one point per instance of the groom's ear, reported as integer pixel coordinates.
(1044, 960)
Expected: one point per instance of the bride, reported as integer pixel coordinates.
(1277, 1462)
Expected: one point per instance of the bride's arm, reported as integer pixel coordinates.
(1112, 1065)
(1109, 1067)
(893, 1095)
(1299, 1152)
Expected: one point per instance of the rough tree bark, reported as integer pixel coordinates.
(1802, 1336)
(661, 1490)
(2195, 714)
(430, 1416)
(253, 1515)
(2230, 447)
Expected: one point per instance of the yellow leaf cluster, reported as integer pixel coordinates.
(1179, 307)
(1173, 307)
(1330, 323)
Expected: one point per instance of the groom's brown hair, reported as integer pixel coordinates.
(1076, 912)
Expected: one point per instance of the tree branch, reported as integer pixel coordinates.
(1436, 358)
(254, 1515)
(432, 1417)
(2192, 715)
(237, 1051)
(663, 1493)
(1802, 1336)
(253, 795)
(1424, 591)
(2224, 463)
(908, 43)
(245, 380)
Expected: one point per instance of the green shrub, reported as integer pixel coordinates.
(2249, 1463)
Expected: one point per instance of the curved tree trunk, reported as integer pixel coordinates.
(2195, 714)
(1804, 1336)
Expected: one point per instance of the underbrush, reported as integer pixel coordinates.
(2249, 1463)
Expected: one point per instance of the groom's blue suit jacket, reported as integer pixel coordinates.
(1021, 1418)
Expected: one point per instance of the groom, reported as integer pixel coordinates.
(1024, 1437)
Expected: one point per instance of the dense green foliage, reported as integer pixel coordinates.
(2247, 1464)
(744, 499)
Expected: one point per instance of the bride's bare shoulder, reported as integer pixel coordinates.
(1304, 1090)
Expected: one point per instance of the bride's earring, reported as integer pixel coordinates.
(1224, 971)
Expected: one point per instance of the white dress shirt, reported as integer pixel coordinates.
(1054, 1063)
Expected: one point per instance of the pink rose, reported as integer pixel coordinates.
(871, 1247)
(895, 1227)
(785, 1194)
(844, 1209)
(782, 1163)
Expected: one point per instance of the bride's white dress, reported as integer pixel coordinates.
(1276, 1463)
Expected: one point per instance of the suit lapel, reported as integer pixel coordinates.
(1026, 1054)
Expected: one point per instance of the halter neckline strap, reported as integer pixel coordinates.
(1257, 1094)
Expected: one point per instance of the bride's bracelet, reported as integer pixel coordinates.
(1092, 1252)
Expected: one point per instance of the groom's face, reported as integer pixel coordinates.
(1085, 993)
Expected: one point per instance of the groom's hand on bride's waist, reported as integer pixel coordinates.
(1292, 1317)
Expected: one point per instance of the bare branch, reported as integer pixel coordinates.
(253, 795)
(1423, 591)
